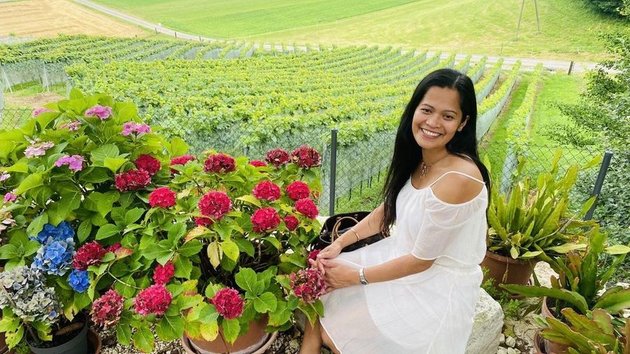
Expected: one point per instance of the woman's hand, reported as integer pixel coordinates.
(337, 275)
(330, 252)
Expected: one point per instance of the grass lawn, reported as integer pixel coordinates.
(568, 28)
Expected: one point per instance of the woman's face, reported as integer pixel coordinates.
(437, 118)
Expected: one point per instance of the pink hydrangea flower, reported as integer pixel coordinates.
(71, 126)
(106, 310)
(164, 273)
(37, 111)
(74, 162)
(38, 149)
(154, 299)
(10, 197)
(102, 112)
(135, 128)
(4, 176)
(228, 303)
(308, 284)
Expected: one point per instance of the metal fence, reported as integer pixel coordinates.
(350, 169)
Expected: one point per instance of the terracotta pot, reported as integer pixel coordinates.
(549, 346)
(255, 341)
(539, 346)
(506, 270)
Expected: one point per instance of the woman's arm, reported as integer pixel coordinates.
(339, 275)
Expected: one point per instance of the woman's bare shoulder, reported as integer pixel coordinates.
(461, 182)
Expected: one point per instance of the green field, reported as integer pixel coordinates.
(568, 28)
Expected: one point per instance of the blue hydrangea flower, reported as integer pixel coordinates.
(78, 280)
(61, 232)
(54, 257)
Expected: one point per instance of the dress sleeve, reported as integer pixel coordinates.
(457, 231)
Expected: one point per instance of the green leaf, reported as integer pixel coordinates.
(30, 182)
(157, 251)
(280, 315)
(215, 253)
(250, 199)
(245, 245)
(230, 249)
(614, 302)
(170, 328)
(177, 147)
(246, 279)
(114, 163)
(231, 329)
(126, 286)
(183, 267)
(107, 231)
(37, 225)
(84, 230)
(617, 249)
(568, 247)
(102, 152)
(8, 252)
(95, 174)
(9, 324)
(265, 302)
(14, 338)
(190, 248)
(209, 330)
(133, 215)
(143, 339)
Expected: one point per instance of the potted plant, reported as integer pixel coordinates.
(532, 222)
(595, 332)
(147, 239)
(581, 279)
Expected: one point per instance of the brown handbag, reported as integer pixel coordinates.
(337, 224)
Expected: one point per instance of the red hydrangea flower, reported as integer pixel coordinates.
(203, 221)
(154, 299)
(132, 180)
(277, 157)
(162, 197)
(306, 157)
(308, 284)
(106, 309)
(291, 222)
(214, 204)
(313, 254)
(257, 163)
(180, 160)
(148, 163)
(228, 303)
(265, 219)
(307, 208)
(220, 163)
(266, 190)
(164, 273)
(115, 247)
(298, 190)
(89, 254)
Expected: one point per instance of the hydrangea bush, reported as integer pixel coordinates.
(106, 217)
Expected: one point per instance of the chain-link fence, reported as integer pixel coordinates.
(13, 117)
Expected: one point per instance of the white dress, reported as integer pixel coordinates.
(427, 312)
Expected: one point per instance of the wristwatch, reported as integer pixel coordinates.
(362, 277)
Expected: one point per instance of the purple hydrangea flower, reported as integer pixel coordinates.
(38, 149)
(71, 126)
(37, 111)
(10, 197)
(74, 162)
(79, 280)
(103, 112)
(133, 127)
(4, 176)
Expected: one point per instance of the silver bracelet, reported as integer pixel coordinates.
(362, 279)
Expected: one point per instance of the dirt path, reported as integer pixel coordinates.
(48, 18)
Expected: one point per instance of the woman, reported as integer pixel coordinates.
(414, 292)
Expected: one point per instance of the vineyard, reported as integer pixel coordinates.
(246, 97)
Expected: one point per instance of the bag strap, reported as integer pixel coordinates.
(335, 231)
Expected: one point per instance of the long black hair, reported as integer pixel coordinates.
(408, 154)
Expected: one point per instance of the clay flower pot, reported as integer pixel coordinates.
(255, 341)
(506, 270)
(549, 346)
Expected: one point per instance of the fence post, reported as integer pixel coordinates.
(333, 171)
(599, 182)
(570, 68)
